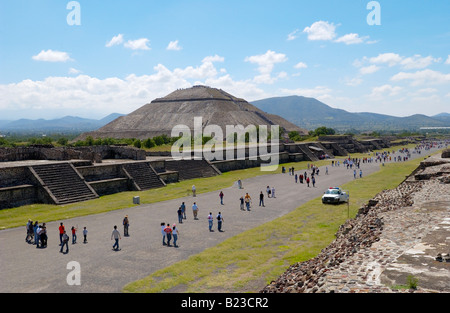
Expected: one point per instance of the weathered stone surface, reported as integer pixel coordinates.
(372, 252)
(215, 106)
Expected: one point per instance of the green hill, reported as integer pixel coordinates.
(310, 113)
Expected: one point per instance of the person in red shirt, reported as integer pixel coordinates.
(74, 234)
(61, 233)
(168, 232)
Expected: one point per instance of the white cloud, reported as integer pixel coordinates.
(266, 63)
(74, 71)
(52, 56)
(369, 69)
(385, 89)
(173, 45)
(213, 58)
(414, 62)
(448, 60)
(319, 92)
(351, 39)
(353, 82)
(138, 44)
(300, 65)
(423, 77)
(321, 30)
(116, 40)
(293, 35)
(80, 94)
(418, 62)
(391, 59)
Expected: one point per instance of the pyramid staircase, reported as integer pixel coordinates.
(63, 183)
(311, 156)
(143, 175)
(340, 151)
(189, 169)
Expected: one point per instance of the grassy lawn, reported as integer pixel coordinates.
(250, 260)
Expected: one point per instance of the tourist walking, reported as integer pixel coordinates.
(116, 235)
(61, 233)
(261, 199)
(175, 234)
(273, 192)
(195, 210)
(180, 215)
(210, 221)
(183, 209)
(126, 224)
(163, 225)
(85, 232)
(221, 197)
(268, 190)
(247, 200)
(74, 234)
(37, 239)
(307, 181)
(194, 190)
(43, 236)
(313, 180)
(30, 231)
(219, 221)
(64, 242)
(360, 173)
(241, 202)
(36, 236)
(168, 232)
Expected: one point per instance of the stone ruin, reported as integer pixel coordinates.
(49, 152)
(399, 233)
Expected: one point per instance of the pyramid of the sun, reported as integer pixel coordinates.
(214, 106)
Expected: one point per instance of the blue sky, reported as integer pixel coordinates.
(124, 54)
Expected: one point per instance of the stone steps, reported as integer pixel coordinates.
(144, 175)
(189, 169)
(311, 156)
(64, 183)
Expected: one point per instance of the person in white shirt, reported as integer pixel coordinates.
(175, 234)
(210, 221)
(85, 232)
(116, 236)
(219, 221)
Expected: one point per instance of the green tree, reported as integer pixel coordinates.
(137, 143)
(159, 140)
(149, 143)
(62, 141)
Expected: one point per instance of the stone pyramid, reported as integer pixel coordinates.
(215, 106)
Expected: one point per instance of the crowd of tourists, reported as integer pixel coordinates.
(36, 234)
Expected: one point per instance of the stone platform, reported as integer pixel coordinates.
(400, 233)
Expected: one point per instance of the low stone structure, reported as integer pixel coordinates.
(49, 152)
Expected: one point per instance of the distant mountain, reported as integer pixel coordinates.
(310, 113)
(67, 124)
(444, 117)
